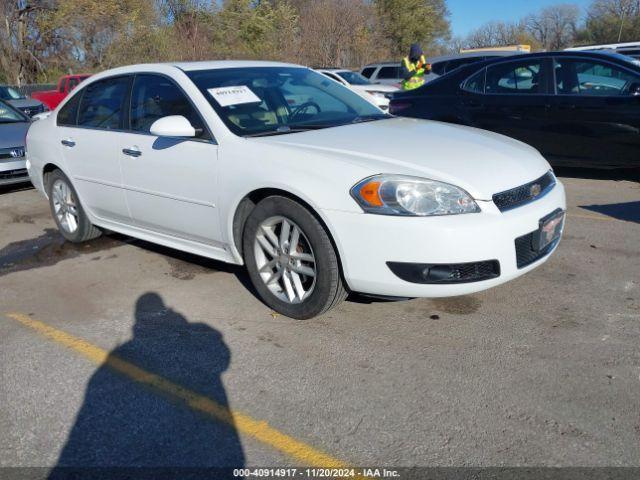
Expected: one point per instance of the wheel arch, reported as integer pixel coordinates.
(46, 171)
(247, 203)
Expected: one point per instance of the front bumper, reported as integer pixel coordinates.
(13, 171)
(367, 242)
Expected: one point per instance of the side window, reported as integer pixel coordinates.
(475, 84)
(439, 68)
(453, 64)
(516, 77)
(73, 83)
(154, 97)
(387, 73)
(63, 85)
(68, 114)
(591, 78)
(367, 72)
(103, 102)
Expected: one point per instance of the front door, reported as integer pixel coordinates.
(595, 117)
(170, 184)
(515, 101)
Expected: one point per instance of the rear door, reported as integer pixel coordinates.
(90, 128)
(595, 118)
(170, 183)
(515, 102)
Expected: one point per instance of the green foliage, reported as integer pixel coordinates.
(403, 22)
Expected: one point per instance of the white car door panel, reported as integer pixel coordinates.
(170, 186)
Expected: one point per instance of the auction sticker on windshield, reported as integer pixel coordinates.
(227, 96)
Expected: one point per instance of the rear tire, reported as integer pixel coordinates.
(291, 260)
(67, 212)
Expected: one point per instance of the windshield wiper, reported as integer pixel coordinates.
(284, 129)
(369, 118)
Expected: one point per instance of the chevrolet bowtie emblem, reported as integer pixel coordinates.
(535, 190)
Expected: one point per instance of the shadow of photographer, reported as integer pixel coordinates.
(124, 425)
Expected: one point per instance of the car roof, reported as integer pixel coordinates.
(333, 70)
(479, 53)
(381, 64)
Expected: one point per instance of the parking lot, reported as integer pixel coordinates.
(119, 352)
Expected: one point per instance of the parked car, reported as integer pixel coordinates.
(448, 63)
(379, 95)
(631, 49)
(390, 73)
(316, 200)
(576, 108)
(66, 84)
(13, 131)
(28, 106)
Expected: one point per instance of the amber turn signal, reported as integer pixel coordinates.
(369, 193)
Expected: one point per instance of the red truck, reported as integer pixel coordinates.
(52, 98)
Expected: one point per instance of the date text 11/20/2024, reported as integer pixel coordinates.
(316, 473)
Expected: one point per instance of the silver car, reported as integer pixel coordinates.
(13, 131)
(28, 106)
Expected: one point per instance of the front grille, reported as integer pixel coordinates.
(31, 111)
(516, 197)
(15, 153)
(526, 253)
(446, 273)
(13, 174)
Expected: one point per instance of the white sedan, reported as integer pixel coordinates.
(317, 200)
(377, 94)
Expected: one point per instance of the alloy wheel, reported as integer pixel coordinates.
(65, 206)
(285, 260)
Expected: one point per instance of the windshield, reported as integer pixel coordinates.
(279, 100)
(9, 115)
(354, 78)
(8, 93)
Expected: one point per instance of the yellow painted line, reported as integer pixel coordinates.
(591, 217)
(259, 430)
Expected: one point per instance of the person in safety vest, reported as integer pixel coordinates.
(414, 68)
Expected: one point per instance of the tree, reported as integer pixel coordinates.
(611, 21)
(249, 29)
(554, 27)
(336, 33)
(21, 40)
(403, 22)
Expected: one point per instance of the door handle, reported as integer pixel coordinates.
(68, 142)
(132, 152)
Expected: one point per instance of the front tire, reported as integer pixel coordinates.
(291, 260)
(67, 212)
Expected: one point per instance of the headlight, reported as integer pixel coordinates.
(411, 196)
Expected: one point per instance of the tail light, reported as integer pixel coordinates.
(398, 106)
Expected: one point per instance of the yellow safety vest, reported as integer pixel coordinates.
(417, 70)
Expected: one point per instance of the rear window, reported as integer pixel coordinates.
(367, 72)
(475, 84)
(389, 73)
(68, 114)
(103, 104)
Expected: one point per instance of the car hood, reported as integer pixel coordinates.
(481, 162)
(13, 134)
(25, 103)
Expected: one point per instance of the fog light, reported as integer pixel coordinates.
(435, 273)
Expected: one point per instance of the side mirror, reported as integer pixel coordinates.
(634, 89)
(173, 126)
